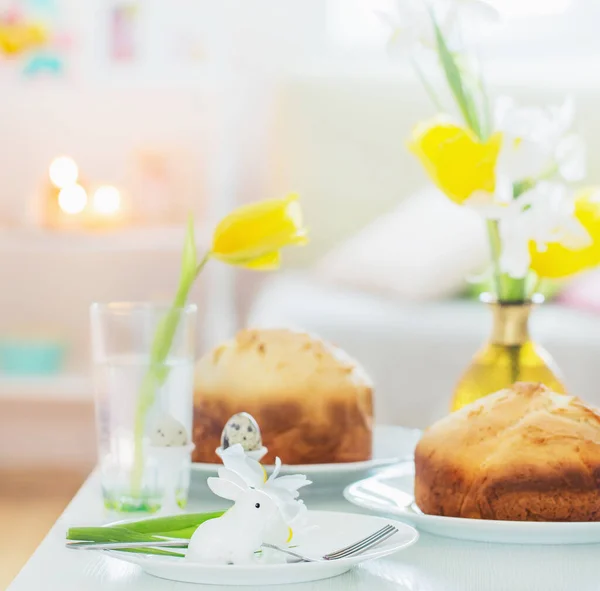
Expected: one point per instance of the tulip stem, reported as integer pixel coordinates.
(158, 371)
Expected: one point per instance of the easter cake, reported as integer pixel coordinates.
(522, 454)
(314, 404)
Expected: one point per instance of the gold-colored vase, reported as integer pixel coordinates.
(509, 356)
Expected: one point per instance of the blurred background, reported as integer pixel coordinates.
(119, 118)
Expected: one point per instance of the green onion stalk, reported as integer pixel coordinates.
(155, 529)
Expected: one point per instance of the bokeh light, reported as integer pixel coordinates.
(72, 199)
(63, 172)
(106, 200)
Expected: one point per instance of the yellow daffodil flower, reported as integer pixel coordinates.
(252, 235)
(558, 261)
(457, 162)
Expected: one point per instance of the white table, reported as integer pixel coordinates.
(433, 564)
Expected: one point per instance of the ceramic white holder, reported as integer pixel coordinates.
(255, 454)
(170, 460)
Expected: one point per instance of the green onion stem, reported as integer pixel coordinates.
(169, 525)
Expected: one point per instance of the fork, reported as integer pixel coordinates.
(376, 538)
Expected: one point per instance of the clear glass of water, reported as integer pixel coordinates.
(122, 338)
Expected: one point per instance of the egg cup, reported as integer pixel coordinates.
(170, 461)
(254, 454)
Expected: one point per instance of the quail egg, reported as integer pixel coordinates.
(168, 432)
(242, 428)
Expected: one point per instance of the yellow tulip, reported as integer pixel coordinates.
(457, 162)
(558, 261)
(252, 235)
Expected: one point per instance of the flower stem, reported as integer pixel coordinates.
(508, 289)
(486, 116)
(426, 84)
(494, 239)
(157, 374)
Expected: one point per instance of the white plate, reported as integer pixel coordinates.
(335, 530)
(391, 444)
(391, 493)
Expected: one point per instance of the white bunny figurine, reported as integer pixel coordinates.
(234, 537)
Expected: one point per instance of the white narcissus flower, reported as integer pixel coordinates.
(411, 24)
(479, 10)
(543, 215)
(571, 156)
(461, 15)
(539, 140)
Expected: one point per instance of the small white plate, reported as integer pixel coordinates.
(391, 493)
(391, 444)
(335, 530)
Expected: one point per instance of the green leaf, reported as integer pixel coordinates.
(520, 187)
(487, 122)
(189, 262)
(463, 97)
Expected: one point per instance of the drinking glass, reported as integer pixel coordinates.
(122, 339)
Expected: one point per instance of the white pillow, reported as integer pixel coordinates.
(425, 248)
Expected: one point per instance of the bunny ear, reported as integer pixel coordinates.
(235, 459)
(224, 488)
(232, 476)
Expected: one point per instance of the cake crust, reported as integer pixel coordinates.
(521, 454)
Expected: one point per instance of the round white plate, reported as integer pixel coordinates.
(391, 493)
(391, 444)
(335, 531)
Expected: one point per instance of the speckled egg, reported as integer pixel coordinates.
(168, 432)
(242, 428)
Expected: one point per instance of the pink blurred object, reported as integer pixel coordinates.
(124, 32)
(63, 41)
(583, 293)
(12, 16)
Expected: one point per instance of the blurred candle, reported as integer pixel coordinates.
(106, 200)
(72, 199)
(63, 172)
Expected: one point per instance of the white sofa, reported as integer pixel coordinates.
(415, 352)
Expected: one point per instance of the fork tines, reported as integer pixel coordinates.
(362, 545)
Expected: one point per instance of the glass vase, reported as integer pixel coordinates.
(122, 339)
(509, 356)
